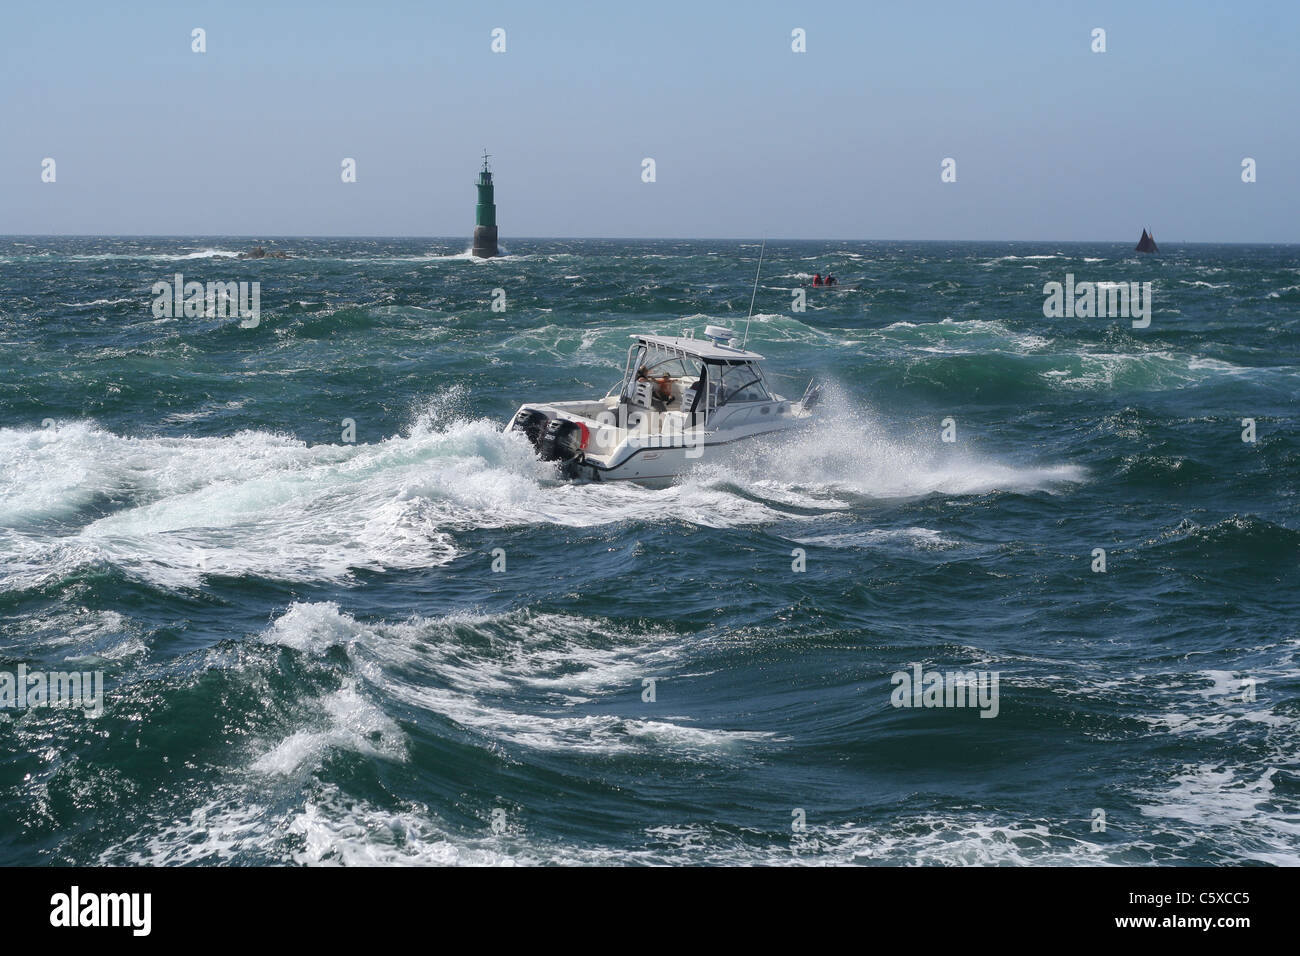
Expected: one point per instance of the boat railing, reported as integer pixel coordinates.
(811, 394)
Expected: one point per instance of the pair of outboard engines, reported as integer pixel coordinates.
(554, 439)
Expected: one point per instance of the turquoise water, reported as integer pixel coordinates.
(309, 658)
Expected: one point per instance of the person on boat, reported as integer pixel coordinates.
(831, 280)
(817, 280)
(662, 393)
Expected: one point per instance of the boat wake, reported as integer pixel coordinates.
(174, 511)
(848, 455)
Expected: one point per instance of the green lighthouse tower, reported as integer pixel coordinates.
(485, 216)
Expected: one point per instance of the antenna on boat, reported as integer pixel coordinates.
(753, 294)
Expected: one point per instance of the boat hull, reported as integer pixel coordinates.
(657, 458)
(657, 466)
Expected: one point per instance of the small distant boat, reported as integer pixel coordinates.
(1147, 243)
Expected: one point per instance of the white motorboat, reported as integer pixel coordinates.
(680, 398)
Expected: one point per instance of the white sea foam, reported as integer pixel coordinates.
(926, 539)
(158, 257)
(352, 723)
(253, 502)
(205, 254)
(102, 302)
(175, 510)
(327, 828)
(848, 453)
(323, 827)
(79, 635)
(967, 337)
(519, 689)
(1021, 258)
(1158, 368)
(217, 831)
(1230, 806)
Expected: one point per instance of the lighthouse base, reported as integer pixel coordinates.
(485, 242)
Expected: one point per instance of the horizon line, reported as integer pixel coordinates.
(740, 239)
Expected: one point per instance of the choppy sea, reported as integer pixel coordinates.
(277, 545)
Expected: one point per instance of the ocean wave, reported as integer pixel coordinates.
(991, 262)
(175, 511)
(923, 539)
(352, 723)
(1234, 807)
(154, 256)
(518, 691)
(327, 828)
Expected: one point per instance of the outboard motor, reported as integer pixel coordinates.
(564, 440)
(533, 424)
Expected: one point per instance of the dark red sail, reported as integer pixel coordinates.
(1147, 243)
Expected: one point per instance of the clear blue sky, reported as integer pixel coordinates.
(1052, 141)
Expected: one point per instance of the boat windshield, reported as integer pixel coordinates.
(706, 384)
(658, 362)
(742, 382)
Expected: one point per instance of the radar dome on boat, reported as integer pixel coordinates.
(718, 334)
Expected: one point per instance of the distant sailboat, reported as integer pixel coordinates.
(1147, 243)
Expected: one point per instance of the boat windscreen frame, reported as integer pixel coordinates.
(657, 353)
(713, 370)
(725, 398)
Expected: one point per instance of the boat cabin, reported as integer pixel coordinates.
(703, 379)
